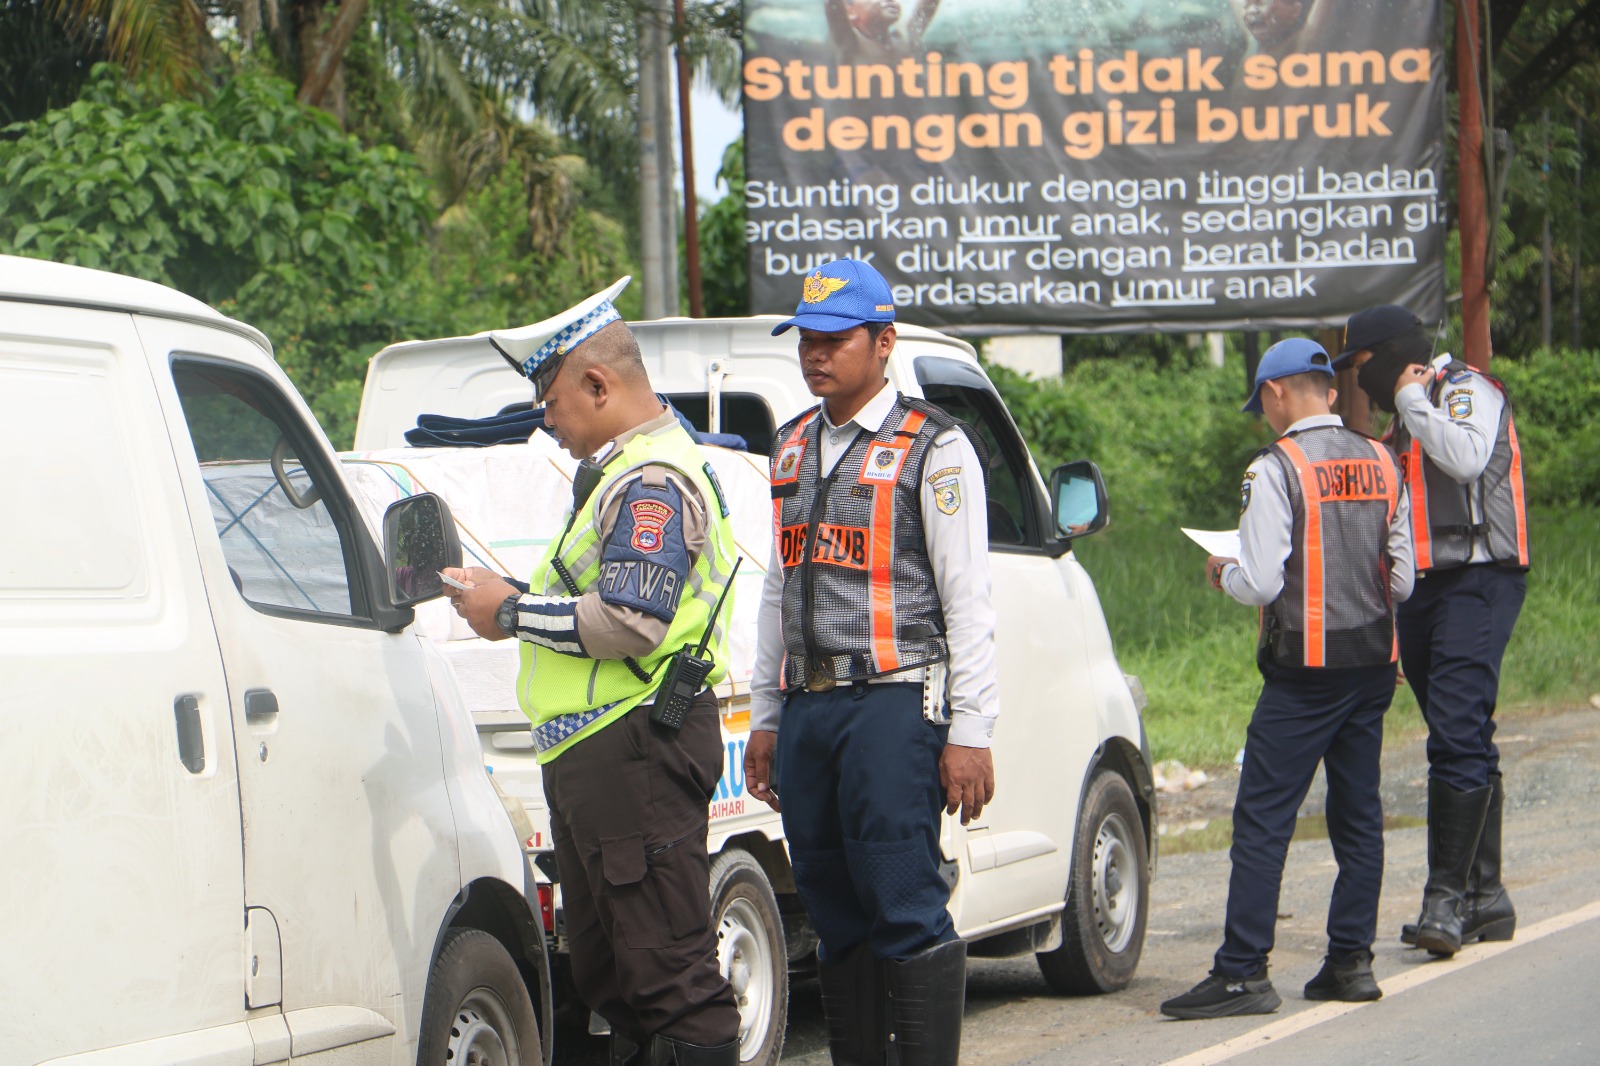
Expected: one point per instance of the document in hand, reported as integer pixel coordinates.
(1219, 542)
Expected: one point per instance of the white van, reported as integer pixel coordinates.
(245, 815)
(1058, 865)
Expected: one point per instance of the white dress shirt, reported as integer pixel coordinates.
(958, 548)
(1266, 533)
(1461, 447)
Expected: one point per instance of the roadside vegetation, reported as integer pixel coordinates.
(1167, 434)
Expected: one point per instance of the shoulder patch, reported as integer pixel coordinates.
(1456, 377)
(1459, 403)
(1244, 491)
(650, 518)
(947, 489)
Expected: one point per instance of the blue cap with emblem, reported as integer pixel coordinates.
(1297, 355)
(841, 295)
(536, 351)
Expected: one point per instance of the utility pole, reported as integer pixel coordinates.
(691, 208)
(651, 252)
(1471, 197)
(661, 16)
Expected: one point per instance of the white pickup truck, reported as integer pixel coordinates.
(245, 817)
(1058, 865)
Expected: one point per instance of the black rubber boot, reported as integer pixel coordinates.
(853, 1004)
(665, 1051)
(927, 994)
(1455, 822)
(1487, 913)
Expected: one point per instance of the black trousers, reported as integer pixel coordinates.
(628, 815)
(1304, 717)
(1453, 633)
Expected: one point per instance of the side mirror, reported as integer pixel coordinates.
(419, 540)
(1078, 499)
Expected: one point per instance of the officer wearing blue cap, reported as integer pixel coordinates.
(646, 552)
(1325, 552)
(875, 655)
(1457, 442)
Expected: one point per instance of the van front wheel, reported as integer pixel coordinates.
(752, 953)
(477, 1009)
(1108, 896)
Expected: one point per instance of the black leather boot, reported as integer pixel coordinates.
(853, 1004)
(665, 1051)
(1455, 823)
(927, 993)
(1487, 913)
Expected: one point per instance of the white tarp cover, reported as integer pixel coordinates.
(510, 501)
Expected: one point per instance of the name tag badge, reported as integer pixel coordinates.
(882, 465)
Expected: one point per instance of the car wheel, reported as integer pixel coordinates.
(1108, 896)
(751, 953)
(477, 1010)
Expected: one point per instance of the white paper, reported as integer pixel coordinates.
(1219, 542)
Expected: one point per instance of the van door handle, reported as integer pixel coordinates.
(191, 740)
(260, 704)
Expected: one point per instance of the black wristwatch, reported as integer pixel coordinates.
(505, 616)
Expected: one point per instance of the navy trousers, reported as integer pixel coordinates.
(1453, 633)
(857, 771)
(1304, 717)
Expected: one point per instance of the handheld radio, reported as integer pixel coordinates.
(687, 671)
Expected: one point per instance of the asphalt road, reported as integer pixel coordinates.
(1532, 1001)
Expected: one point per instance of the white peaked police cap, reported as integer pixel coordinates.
(533, 350)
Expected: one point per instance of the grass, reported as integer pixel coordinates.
(1194, 648)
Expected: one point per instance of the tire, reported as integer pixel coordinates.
(751, 953)
(477, 1011)
(1108, 895)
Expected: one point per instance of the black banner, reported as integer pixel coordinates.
(1098, 165)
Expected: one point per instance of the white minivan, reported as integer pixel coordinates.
(244, 817)
(1057, 866)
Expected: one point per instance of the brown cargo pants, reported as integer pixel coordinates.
(628, 818)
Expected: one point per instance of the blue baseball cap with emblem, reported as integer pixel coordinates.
(841, 295)
(1297, 355)
(536, 351)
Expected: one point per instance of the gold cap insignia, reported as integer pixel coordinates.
(818, 288)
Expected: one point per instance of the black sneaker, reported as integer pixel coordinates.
(1224, 997)
(1349, 981)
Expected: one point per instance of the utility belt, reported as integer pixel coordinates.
(827, 674)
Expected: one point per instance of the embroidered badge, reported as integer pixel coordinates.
(1456, 377)
(1459, 403)
(650, 518)
(1244, 491)
(942, 473)
(818, 288)
(789, 461)
(883, 464)
(947, 494)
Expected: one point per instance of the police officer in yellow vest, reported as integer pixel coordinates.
(1457, 441)
(633, 578)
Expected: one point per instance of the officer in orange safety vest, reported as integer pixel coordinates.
(1457, 443)
(1324, 552)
